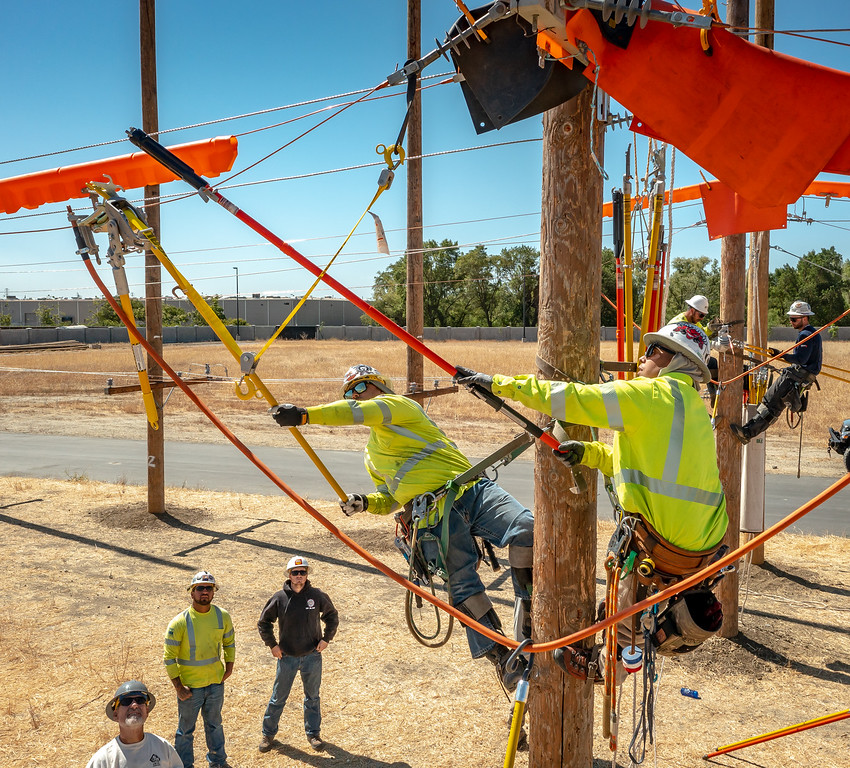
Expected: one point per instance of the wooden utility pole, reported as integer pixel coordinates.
(733, 254)
(414, 311)
(153, 273)
(758, 277)
(561, 707)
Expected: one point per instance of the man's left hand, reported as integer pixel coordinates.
(288, 415)
(570, 452)
(467, 378)
(321, 646)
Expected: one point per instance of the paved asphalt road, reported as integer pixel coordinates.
(223, 468)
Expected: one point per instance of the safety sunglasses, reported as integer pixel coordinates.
(206, 588)
(652, 348)
(298, 573)
(700, 315)
(359, 388)
(126, 701)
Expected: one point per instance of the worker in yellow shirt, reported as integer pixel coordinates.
(195, 641)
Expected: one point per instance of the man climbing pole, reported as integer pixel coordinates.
(409, 458)
(663, 464)
(791, 388)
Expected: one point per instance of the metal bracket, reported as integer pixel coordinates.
(630, 10)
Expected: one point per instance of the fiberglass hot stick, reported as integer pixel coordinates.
(181, 169)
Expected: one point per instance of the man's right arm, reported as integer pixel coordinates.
(173, 638)
(265, 624)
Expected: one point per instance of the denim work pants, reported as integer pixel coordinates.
(208, 701)
(489, 512)
(310, 667)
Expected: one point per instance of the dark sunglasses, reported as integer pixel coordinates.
(205, 589)
(298, 573)
(652, 348)
(700, 315)
(126, 701)
(359, 388)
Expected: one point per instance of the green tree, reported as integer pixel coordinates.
(819, 278)
(389, 293)
(691, 276)
(518, 271)
(104, 315)
(609, 288)
(46, 315)
(443, 295)
(172, 315)
(482, 287)
(196, 318)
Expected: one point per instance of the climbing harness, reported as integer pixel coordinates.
(414, 526)
(129, 231)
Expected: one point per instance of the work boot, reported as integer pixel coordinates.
(577, 662)
(316, 742)
(510, 677)
(266, 743)
(740, 433)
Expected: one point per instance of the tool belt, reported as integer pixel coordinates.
(670, 563)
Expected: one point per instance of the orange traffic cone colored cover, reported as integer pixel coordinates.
(209, 157)
(764, 123)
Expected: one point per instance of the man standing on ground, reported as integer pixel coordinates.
(132, 747)
(194, 643)
(409, 457)
(299, 610)
(806, 361)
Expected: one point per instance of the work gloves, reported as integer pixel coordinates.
(570, 452)
(288, 415)
(356, 502)
(467, 378)
(773, 351)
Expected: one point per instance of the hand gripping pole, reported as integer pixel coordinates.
(179, 168)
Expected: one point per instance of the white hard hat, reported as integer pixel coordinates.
(364, 373)
(699, 303)
(296, 562)
(202, 577)
(800, 308)
(687, 338)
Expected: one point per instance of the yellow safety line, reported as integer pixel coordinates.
(319, 278)
(141, 366)
(255, 384)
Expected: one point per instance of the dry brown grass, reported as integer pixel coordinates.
(308, 373)
(90, 581)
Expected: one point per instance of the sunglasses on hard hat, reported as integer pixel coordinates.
(126, 701)
(298, 572)
(359, 388)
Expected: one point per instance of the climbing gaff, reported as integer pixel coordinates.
(505, 80)
(126, 219)
(121, 239)
(162, 155)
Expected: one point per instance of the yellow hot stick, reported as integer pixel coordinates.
(255, 383)
(657, 206)
(628, 309)
(516, 723)
(141, 366)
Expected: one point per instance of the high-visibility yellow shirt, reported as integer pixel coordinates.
(680, 318)
(406, 455)
(663, 461)
(195, 643)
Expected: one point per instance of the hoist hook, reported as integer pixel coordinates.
(249, 391)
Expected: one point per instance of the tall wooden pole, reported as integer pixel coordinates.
(415, 310)
(733, 254)
(561, 707)
(759, 270)
(153, 274)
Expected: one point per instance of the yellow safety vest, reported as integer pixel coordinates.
(194, 643)
(663, 461)
(407, 454)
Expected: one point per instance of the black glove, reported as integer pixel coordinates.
(570, 452)
(467, 378)
(288, 415)
(356, 502)
(773, 351)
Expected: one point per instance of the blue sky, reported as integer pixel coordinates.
(75, 82)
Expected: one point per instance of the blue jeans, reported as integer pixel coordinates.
(489, 512)
(208, 701)
(310, 667)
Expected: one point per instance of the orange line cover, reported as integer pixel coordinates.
(209, 157)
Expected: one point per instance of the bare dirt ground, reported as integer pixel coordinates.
(90, 580)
